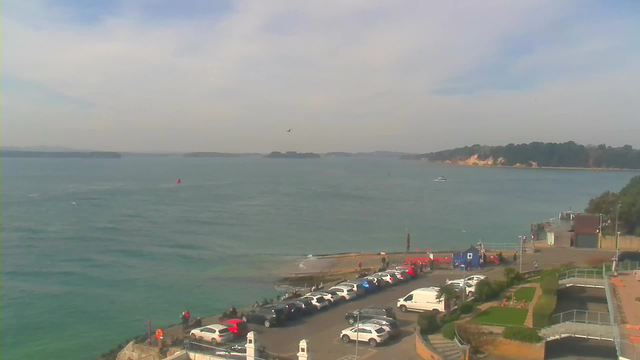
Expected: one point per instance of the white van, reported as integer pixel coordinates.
(423, 299)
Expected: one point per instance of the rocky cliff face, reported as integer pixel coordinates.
(474, 160)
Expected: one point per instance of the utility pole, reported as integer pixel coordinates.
(521, 253)
(357, 333)
(408, 235)
(464, 282)
(615, 260)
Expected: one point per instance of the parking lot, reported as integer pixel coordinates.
(323, 329)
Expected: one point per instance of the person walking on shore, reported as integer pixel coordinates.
(183, 320)
(359, 266)
(535, 265)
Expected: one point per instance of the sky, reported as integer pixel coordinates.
(360, 75)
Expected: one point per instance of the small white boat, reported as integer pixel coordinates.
(441, 178)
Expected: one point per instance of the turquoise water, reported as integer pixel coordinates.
(78, 279)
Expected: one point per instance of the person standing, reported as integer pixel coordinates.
(359, 266)
(535, 264)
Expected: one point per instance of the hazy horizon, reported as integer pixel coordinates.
(359, 76)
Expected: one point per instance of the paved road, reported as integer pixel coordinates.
(323, 329)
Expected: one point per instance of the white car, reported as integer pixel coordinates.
(357, 288)
(317, 300)
(331, 298)
(470, 288)
(401, 275)
(344, 293)
(386, 277)
(474, 279)
(212, 333)
(372, 333)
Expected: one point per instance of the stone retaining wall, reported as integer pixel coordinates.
(424, 349)
(515, 349)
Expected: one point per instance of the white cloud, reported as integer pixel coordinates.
(358, 75)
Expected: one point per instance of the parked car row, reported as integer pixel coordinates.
(373, 325)
(279, 313)
(376, 325)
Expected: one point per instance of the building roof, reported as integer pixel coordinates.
(586, 224)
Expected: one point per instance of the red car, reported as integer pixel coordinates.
(238, 327)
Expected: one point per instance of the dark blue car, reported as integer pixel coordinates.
(369, 286)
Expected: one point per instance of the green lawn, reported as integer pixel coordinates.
(525, 293)
(497, 315)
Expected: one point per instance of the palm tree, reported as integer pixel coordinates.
(449, 293)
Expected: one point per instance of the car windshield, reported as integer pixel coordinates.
(320, 299)
(241, 325)
(379, 330)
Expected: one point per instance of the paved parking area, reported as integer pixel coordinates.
(323, 329)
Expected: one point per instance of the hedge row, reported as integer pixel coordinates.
(543, 309)
(523, 334)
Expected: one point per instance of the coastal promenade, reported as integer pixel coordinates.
(323, 329)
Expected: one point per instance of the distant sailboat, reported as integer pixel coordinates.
(178, 181)
(441, 178)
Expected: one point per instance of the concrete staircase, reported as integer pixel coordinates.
(583, 330)
(446, 348)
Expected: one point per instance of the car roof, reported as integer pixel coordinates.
(234, 321)
(213, 326)
(381, 319)
(366, 326)
(427, 289)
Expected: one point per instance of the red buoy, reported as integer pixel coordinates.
(178, 181)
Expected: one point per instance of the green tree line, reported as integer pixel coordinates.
(629, 212)
(568, 154)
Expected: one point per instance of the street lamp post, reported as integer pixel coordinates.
(357, 333)
(464, 282)
(521, 252)
(615, 260)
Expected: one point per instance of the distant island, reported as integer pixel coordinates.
(60, 154)
(338, 153)
(292, 155)
(210, 154)
(539, 155)
(392, 154)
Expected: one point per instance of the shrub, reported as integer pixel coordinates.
(545, 305)
(428, 323)
(449, 331)
(454, 316)
(465, 307)
(508, 273)
(512, 276)
(499, 286)
(484, 290)
(523, 334)
(549, 284)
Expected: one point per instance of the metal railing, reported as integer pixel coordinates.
(628, 265)
(581, 274)
(612, 311)
(582, 317)
(625, 349)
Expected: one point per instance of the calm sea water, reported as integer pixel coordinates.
(78, 279)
